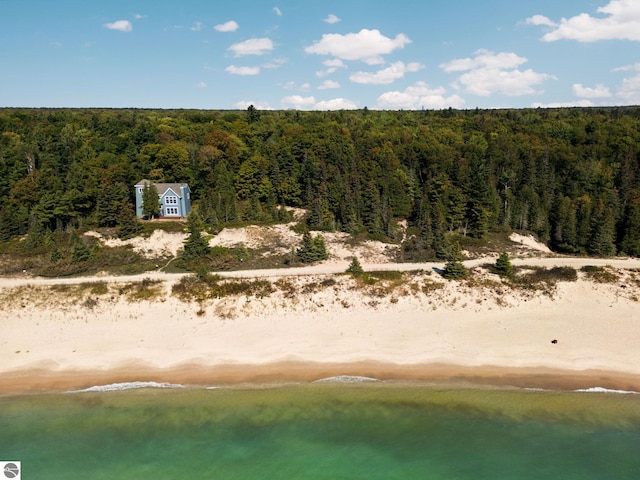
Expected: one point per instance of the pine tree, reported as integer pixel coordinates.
(319, 248)
(454, 269)
(602, 241)
(195, 246)
(80, 252)
(503, 265)
(312, 249)
(150, 201)
(128, 226)
(355, 268)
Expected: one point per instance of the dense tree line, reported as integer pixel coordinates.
(571, 176)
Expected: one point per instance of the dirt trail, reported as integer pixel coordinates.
(322, 269)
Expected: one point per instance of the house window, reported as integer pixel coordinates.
(171, 211)
(171, 200)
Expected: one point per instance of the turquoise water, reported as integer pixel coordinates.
(323, 431)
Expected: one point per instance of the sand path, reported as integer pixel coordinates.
(323, 269)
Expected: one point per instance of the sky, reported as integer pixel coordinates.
(319, 55)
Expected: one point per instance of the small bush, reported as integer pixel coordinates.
(147, 289)
(355, 268)
(503, 265)
(430, 286)
(599, 274)
(200, 288)
(550, 276)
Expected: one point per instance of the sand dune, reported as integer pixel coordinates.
(318, 319)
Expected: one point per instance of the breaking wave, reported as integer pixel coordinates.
(347, 379)
(113, 387)
(606, 390)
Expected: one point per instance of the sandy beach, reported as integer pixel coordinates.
(315, 326)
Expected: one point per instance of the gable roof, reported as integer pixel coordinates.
(163, 187)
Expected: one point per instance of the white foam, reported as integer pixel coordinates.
(113, 387)
(606, 390)
(347, 379)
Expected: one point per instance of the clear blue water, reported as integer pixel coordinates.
(329, 431)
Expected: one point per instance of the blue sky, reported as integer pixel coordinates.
(319, 55)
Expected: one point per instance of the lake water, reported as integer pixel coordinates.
(323, 431)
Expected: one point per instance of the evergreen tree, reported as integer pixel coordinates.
(195, 246)
(503, 265)
(253, 114)
(311, 249)
(109, 204)
(150, 201)
(319, 248)
(80, 251)
(128, 225)
(630, 243)
(454, 269)
(602, 241)
(355, 268)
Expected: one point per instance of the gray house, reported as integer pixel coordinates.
(175, 198)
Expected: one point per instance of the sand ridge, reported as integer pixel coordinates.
(317, 317)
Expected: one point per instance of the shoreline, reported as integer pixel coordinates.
(42, 381)
(580, 334)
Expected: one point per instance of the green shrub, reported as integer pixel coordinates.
(355, 268)
(600, 274)
(503, 265)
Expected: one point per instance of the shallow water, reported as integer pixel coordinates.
(323, 431)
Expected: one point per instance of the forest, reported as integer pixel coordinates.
(571, 176)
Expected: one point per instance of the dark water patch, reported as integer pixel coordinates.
(323, 431)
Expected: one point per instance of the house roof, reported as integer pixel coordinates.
(163, 187)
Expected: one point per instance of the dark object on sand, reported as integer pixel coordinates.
(554, 341)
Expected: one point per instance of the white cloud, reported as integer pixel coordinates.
(137, 16)
(629, 91)
(331, 19)
(242, 70)
(276, 63)
(328, 84)
(366, 45)
(628, 68)
(600, 91)
(620, 21)
(484, 59)
(277, 11)
(336, 104)
(197, 27)
(202, 85)
(488, 73)
(386, 75)
(305, 87)
(121, 25)
(244, 104)
(298, 101)
(309, 103)
(541, 20)
(334, 64)
(577, 103)
(254, 46)
(230, 26)
(419, 95)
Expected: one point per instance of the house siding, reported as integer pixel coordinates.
(175, 199)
